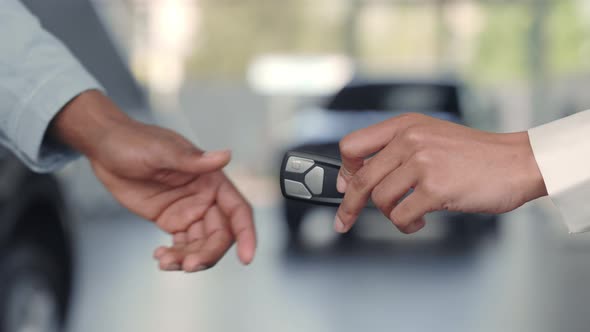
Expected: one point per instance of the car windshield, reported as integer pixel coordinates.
(396, 97)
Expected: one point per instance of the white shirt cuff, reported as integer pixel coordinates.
(562, 152)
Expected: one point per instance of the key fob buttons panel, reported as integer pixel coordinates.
(314, 180)
(296, 189)
(298, 165)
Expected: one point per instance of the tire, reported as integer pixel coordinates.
(294, 214)
(32, 290)
(469, 227)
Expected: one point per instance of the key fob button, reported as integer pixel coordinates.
(296, 189)
(315, 180)
(298, 165)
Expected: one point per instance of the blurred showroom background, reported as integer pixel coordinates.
(233, 74)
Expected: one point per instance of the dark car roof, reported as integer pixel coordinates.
(402, 80)
(381, 95)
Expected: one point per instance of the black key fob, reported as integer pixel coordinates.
(311, 178)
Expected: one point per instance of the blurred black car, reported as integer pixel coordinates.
(35, 250)
(363, 103)
(37, 245)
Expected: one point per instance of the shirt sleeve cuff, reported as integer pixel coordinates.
(562, 152)
(39, 152)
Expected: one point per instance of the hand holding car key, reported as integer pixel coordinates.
(406, 185)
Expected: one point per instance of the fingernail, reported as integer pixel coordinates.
(196, 269)
(173, 267)
(339, 225)
(201, 268)
(340, 184)
(159, 252)
(416, 226)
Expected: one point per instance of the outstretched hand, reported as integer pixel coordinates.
(162, 177)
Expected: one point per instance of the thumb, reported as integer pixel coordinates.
(196, 162)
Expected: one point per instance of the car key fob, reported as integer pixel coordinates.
(311, 178)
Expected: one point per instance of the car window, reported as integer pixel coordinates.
(397, 97)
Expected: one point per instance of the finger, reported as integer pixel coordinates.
(196, 231)
(195, 238)
(172, 178)
(362, 184)
(216, 243)
(160, 251)
(173, 257)
(170, 267)
(182, 213)
(178, 240)
(234, 206)
(387, 194)
(195, 162)
(410, 211)
(214, 248)
(171, 260)
(357, 146)
(416, 226)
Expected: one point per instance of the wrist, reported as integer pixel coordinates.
(83, 122)
(529, 178)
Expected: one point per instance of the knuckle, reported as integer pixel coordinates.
(347, 212)
(360, 181)
(379, 199)
(410, 117)
(398, 221)
(346, 146)
(414, 136)
(346, 173)
(423, 158)
(403, 225)
(377, 194)
(400, 217)
(432, 188)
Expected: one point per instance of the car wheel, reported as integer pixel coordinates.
(294, 214)
(466, 227)
(31, 292)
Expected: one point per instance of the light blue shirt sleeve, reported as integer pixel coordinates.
(38, 76)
